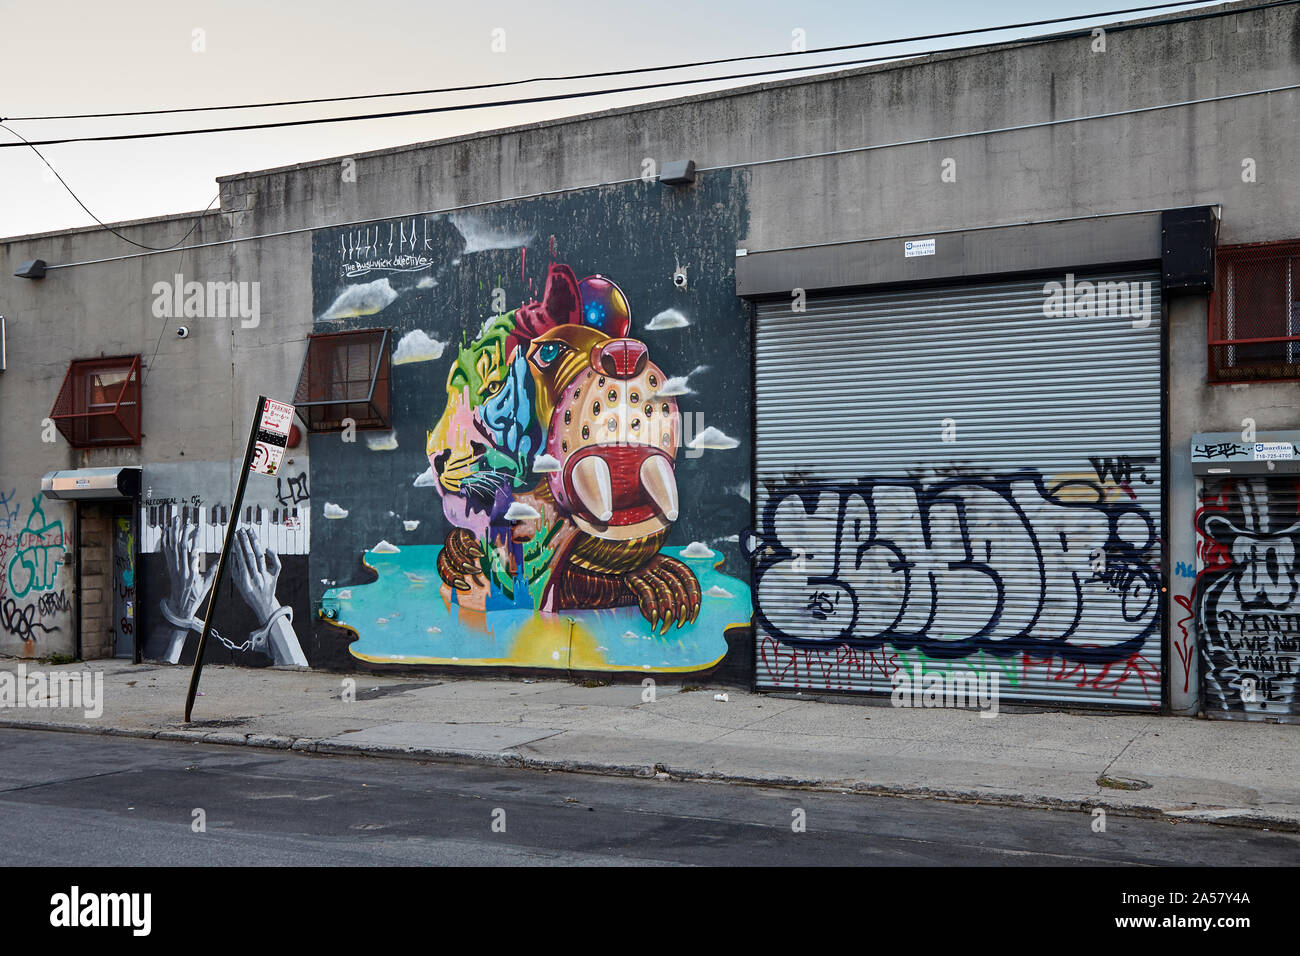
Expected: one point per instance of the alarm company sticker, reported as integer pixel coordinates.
(1274, 451)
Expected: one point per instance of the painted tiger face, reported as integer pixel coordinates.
(561, 379)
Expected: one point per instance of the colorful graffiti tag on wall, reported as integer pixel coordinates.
(1042, 580)
(553, 459)
(1245, 599)
(34, 601)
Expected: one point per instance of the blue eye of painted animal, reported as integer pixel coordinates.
(549, 352)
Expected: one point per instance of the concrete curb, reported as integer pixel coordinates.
(1246, 817)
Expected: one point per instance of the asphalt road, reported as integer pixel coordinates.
(80, 800)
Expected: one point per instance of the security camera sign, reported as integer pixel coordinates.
(272, 437)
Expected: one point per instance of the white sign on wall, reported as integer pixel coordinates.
(918, 247)
(272, 437)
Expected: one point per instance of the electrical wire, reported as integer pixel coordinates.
(743, 164)
(140, 245)
(608, 73)
(554, 97)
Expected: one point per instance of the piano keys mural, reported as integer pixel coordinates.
(263, 603)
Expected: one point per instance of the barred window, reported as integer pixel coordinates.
(1255, 313)
(345, 375)
(99, 402)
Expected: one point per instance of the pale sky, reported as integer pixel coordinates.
(95, 56)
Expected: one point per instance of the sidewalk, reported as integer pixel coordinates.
(1196, 769)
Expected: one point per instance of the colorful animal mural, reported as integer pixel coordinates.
(553, 457)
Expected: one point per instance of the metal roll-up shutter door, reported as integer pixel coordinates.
(962, 480)
(1246, 596)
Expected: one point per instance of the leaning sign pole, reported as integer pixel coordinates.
(267, 440)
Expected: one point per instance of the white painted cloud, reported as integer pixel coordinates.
(366, 298)
(678, 385)
(667, 319)
(711, 438)
(387, 441)
(697, 549)
(674, 386)
(478, 235)
(345, 595)
(417, 346)
(544, 463)
(334, 511)
(383, 547)
(426, 479)
(428, 282)
(410, 525)
(518, 511)
(716, 591)
(414, 579)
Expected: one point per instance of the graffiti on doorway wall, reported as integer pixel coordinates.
(1245, 599)
(35, 611)
(553, 456)
(1041, 578)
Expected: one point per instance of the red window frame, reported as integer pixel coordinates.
(91, 413)
(1254, 330)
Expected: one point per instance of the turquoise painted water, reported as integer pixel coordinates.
(402, 618)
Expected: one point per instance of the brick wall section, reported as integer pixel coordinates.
(96, 555)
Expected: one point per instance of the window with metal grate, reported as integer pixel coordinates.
(1255, 313)
(345, 375)
(99, 402)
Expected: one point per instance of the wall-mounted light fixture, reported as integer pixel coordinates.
(680, 172)
(32, 269)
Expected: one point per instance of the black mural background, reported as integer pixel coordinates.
(637, 234)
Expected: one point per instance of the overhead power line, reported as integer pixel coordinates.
(609, 73)
(139, 245)
(609, 91)
(1225, 97)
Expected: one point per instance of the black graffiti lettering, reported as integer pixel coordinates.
(53, 603)
(956, 565)
(1221, 450)
(21, 622)
(1246, 610)
(1122, 470)
(297, 490)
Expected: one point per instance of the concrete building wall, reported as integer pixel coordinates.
(1144, 159)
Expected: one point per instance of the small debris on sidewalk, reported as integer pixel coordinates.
(722, 697)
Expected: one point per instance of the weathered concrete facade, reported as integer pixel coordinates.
(948, 145)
